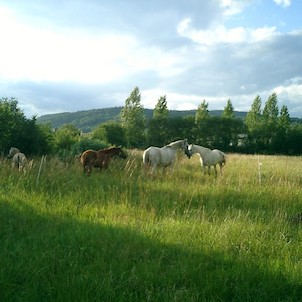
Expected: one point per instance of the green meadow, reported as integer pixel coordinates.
(123, 235)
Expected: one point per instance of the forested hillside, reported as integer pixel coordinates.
(87, 120)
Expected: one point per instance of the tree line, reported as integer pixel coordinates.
(265, 131)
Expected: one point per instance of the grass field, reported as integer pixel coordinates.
(121, 235)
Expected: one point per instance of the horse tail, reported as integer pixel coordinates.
(87, 159)
(146, 157)
(223, 159)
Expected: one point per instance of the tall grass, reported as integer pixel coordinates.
(121, 235)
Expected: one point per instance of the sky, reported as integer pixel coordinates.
(65, 56)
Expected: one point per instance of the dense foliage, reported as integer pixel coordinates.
(265, 131)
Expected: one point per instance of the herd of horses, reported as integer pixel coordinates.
(152, 157)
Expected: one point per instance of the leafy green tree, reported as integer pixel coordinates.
(270, 122)
(85, 143)
(46, 139)
(133, 120)
(231, 128)
(202, 112)
(66, 136)
(294, 142)
(111, 132)
(161, 111)
(180, 128)
(254, 118)
(271, 111)
(157, 126)
(202, 117)
(228, 111)
(284, 119)
(253, 121)
(12, 120)
(281, 138)
(21, 132)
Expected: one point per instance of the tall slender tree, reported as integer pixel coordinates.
(284, 118)
(161, 111)
(228, 111)
(271, 110)
(202, 117)
(282, 137)
(202, 112)
(253, 117)
(133, 120)
(157, 130)
(270, 122)
(254, 124)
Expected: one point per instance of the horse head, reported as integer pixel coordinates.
(121, 153)
(189, 150)
(12, 152)
(186, 148)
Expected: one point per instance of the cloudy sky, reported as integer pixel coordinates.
(62, 55)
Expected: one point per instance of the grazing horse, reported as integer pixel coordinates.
(19, 159)
(164, 156)
(100, 159)
(208, 157)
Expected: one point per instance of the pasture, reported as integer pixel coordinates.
(120, 235)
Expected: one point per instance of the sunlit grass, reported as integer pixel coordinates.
(123, 235)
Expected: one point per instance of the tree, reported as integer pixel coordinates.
(229, 127)
(284, 119)
(254, 124)
(228, 111)
(133, 120)
(66, 136)
(253, 117)
(18, 131)
(161, 111)
(202, 112)
(111, 132)
(11, 122)
(157, 127)
(271, 111)
(281, 139)
(270, 121)
(202, 117)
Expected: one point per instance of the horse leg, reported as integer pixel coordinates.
(220, 165)
(87, 169)
(215, 170)
(153, 169)
(206, 170)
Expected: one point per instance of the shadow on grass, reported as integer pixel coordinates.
(57, 258)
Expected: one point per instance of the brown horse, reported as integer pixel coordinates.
(100, 159)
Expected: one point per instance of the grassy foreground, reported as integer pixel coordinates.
(121, 235)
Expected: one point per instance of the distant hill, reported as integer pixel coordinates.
(87, 120)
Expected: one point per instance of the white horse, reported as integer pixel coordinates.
(165, 156)
(208, 157)
(19, 159)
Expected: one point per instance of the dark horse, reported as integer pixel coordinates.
(100, 159)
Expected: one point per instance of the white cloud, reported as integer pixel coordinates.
(283, 3)
(220, 34)
(231, 7)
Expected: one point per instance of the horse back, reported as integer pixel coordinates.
(152, 156)
(219, 156)
(19, 160)
(88, 156)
